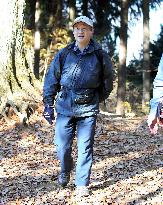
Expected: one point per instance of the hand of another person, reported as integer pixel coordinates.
(49, 114)
(153, 127)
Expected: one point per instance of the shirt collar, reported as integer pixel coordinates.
(76, 48)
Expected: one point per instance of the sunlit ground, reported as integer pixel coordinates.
(127, 166)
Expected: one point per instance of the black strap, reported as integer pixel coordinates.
(65, 52)
(99, 56)
(63, 57)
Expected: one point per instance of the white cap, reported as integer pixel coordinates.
(83, 19)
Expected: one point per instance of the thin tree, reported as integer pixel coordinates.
(37, 40)
(84, 7)
(121, 91)
(146, 55)
(72, 11)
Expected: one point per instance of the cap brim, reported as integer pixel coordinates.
(82, 22)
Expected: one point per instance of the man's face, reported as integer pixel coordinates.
(82, 33)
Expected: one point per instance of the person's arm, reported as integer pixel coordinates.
(51, 87)
(158, 81)
(154, 114)
(107, 75)
(51, 81)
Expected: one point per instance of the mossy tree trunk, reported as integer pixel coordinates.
(18, 86)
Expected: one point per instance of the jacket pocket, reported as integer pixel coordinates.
(84, 97)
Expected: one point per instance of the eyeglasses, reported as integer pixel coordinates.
(76, 29)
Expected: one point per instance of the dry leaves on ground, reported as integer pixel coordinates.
(127, 168)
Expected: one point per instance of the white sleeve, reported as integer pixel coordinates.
(159, 76)
(157, 93)
(158, 81)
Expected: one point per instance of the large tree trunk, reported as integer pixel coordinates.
(121, 92)
(17, 85)
(146, 57)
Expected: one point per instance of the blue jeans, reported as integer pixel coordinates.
(65, 130)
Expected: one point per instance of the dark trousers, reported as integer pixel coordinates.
(64, 133)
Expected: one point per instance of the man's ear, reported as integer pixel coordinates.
(92, 31)
(73, 31)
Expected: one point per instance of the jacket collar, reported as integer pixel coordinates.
(93, 45)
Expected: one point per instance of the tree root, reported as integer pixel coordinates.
(23, 109)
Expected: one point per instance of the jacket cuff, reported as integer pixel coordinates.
(48, 101)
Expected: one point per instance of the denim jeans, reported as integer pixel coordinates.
(65, 130)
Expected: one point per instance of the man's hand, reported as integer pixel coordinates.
(49, 114)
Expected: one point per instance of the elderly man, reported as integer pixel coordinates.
(72, 81)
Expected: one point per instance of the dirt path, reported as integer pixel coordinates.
(127, 166)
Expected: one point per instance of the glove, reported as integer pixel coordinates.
(49, 114)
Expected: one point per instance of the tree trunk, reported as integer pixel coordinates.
(17, 85)
(55, 9)
(121, 92)
(37, 40)
(59, 14)
(72, 12)
(84, 7)
(146, 57)
(101, 27)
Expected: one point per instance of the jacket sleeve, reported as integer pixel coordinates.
(107, 75)
(158, 81)
(51, 81)
(157, 93)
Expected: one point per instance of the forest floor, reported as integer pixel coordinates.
(127, 167)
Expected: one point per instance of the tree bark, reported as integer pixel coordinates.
(37, 40)
(146, 57)
(72, 12)
(84, 7)
(18, 86)
(121, 90)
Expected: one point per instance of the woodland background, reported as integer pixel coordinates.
(128, 161)
(33, 31)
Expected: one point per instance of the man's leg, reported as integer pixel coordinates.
(85, 139)
(64, 133)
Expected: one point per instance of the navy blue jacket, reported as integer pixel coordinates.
(80, 76)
